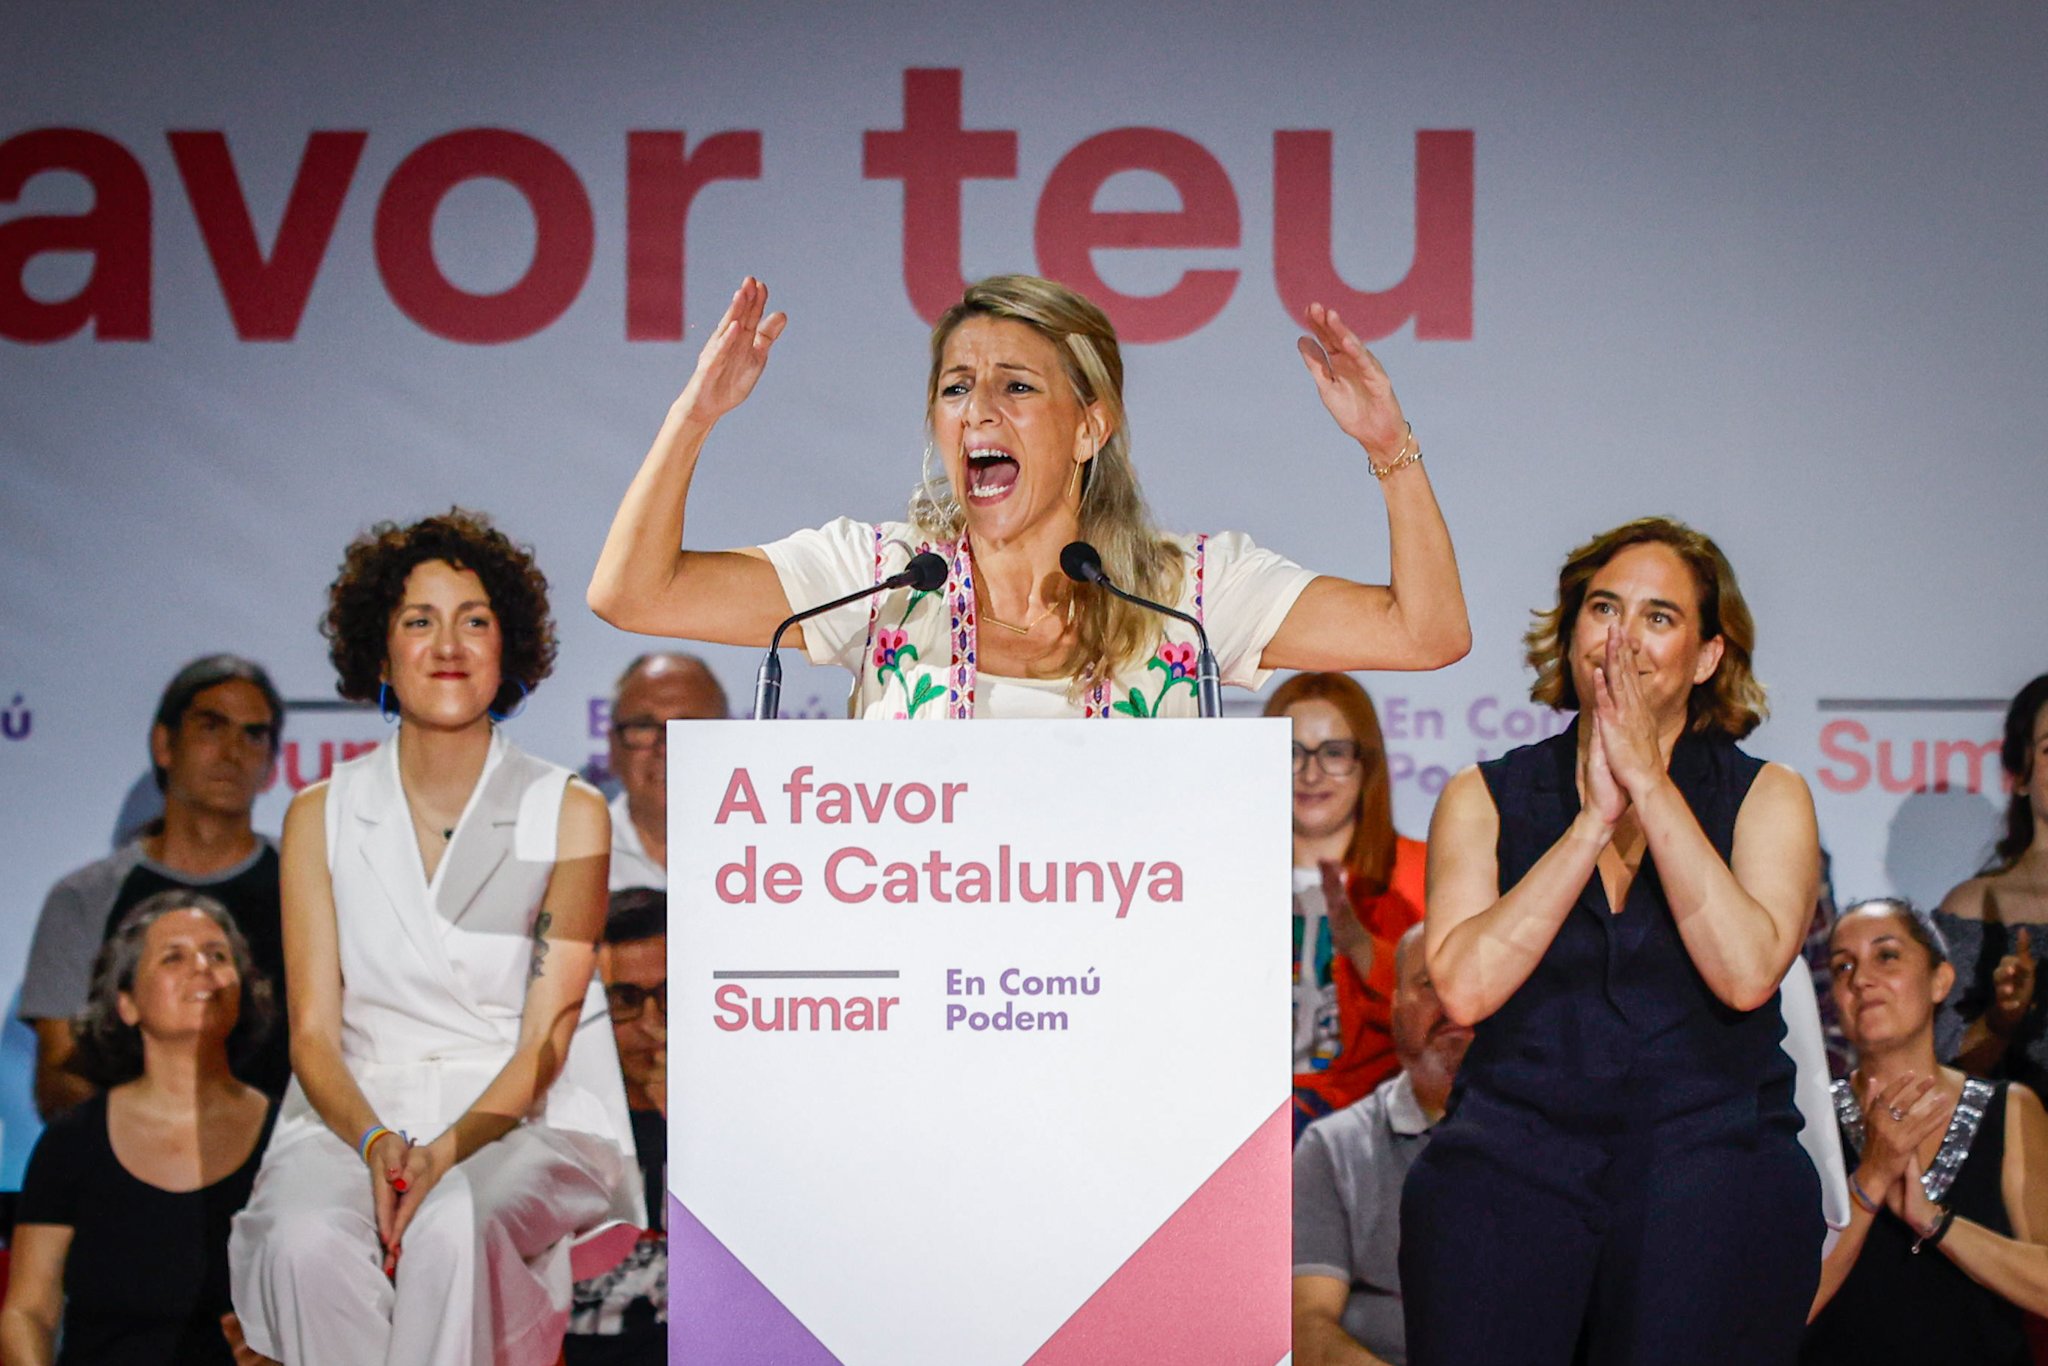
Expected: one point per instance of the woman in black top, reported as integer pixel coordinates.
(1614, 908)
(123, 1221)
(1943, 1163)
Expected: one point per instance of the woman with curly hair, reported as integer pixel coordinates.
(443, 895)
(1025, 415)
(1614, 910)
(122, 1230)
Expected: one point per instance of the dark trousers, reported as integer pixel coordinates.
(1693, 1240)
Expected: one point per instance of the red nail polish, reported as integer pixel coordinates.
(399, 1184)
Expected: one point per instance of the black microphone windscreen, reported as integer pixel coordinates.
(927, 572)
(1080, 562)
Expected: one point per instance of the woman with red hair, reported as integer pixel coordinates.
(1357, 888)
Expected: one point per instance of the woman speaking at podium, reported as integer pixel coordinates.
(1029, 451)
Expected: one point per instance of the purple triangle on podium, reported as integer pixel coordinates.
(718, 1311)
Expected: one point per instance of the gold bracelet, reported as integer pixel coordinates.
(1410, 453)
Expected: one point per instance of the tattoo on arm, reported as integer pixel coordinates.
(540, 943)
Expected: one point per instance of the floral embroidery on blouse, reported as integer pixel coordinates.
(1176, 660)
(894, 654)
(896, 664)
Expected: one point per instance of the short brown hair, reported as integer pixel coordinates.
(1732, 701)
(372, 582)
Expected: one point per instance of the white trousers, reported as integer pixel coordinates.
(483, 1276)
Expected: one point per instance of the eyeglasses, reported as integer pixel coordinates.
(1337, 758)
(628, 1001)
(641, 735)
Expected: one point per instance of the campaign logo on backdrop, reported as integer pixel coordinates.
(1918, 774)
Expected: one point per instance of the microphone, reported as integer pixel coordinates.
(1083, 564)
(926, 572)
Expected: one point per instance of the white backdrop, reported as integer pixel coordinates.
(1775, 270)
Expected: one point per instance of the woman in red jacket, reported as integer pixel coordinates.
(1357, 887)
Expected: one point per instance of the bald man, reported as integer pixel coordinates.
(654, 690)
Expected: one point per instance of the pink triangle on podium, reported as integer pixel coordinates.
(719, 1311)
(1212, 1286)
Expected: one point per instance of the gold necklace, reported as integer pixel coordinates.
(992, 619)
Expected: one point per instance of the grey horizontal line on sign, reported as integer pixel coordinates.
(324, 704)
(807, 973)
(1913, 704)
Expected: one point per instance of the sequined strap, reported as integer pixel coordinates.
(1955, 1143)
(1848, 1113)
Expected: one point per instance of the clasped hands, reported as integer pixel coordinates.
(401, 1174)
(1624, 760)
(1897, 1122)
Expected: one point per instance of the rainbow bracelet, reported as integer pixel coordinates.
(370, 1136)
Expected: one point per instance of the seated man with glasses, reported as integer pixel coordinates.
(654, 690)
(622, 1315)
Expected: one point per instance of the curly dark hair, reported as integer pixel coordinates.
(109, 1048)
(371, 583)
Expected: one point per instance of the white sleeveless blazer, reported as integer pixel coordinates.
(434, 973)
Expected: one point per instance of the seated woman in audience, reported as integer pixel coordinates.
(123, 1222)
(1357, 889)
(441, 1143)
(1950, 1167)
(1996, 921)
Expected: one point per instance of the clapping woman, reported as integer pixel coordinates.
(1357, 890)
(1614, 909)
(1949, 1237)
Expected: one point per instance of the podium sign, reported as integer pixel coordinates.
(979, 1043)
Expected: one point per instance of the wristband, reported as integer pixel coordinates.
(370, 1136)
(1870, 1206)
(1948, 1216)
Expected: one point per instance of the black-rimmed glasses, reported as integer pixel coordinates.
(628, 1001)
(1337, 758)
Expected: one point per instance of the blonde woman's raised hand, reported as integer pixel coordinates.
(1353, 386)
(734, 356)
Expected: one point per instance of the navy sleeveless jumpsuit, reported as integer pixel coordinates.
(1619, 1179)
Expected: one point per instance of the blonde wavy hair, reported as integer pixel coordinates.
(1110, 634)
(1732, 701)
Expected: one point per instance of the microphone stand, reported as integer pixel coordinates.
(925, 572)
(1208, 678)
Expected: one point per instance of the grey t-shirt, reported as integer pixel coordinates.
(73, 925)
(1348, 1172)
